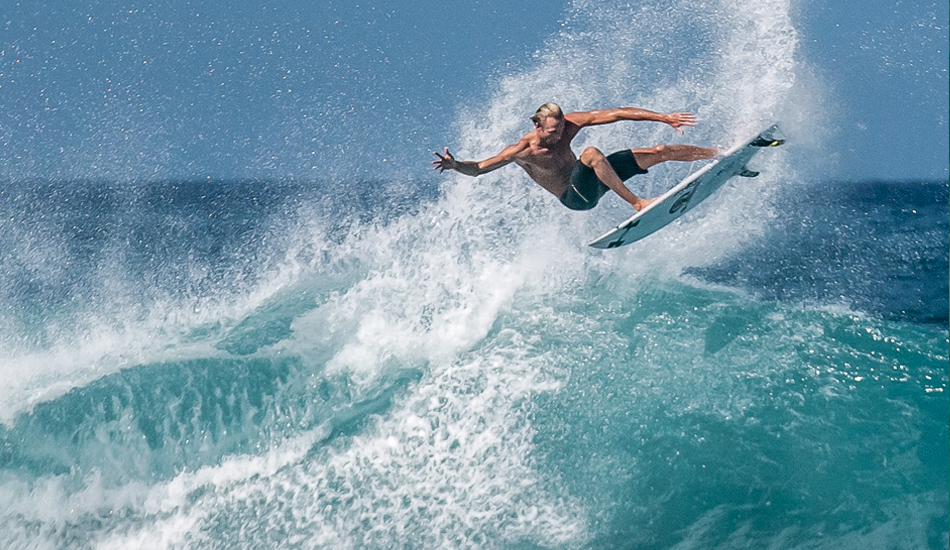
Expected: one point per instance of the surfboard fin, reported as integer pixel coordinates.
(766, 142)
(746, 173)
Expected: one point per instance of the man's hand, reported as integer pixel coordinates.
(445, 162)
(678, 119)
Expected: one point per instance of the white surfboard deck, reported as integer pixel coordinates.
(685, 195)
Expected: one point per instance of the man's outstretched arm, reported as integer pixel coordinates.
(607, 116)
(476, 168)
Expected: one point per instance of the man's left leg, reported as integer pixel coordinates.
(647, 158)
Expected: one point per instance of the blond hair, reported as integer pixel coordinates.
(547, 110)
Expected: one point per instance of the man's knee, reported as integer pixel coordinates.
(655, 150)
(651, 156)
(591, 156)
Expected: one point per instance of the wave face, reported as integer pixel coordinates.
(391, 364)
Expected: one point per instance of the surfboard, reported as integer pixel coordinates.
(688, 193)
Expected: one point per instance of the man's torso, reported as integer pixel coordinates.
(550, 165)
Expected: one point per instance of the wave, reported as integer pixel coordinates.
(352, 364)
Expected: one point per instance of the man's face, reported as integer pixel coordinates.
(550, 129)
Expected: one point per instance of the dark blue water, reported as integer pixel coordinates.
(877, 247)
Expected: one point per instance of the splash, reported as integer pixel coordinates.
(439, 328)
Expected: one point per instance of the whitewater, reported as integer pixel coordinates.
(396, 363)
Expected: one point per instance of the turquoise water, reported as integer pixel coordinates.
(557, 398)
(442, 363)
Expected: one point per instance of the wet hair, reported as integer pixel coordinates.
(545, 111)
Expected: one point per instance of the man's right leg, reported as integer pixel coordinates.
(647, 158)
(596, 160)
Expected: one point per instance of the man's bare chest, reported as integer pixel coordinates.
(550, 160)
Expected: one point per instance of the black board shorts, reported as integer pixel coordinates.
(585, 189)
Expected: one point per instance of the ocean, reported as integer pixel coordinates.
(441, 362)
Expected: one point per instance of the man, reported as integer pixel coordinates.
(545, 154)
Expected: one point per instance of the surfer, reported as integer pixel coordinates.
(545, 154)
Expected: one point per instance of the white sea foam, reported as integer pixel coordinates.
(128, 324)
(449, 466)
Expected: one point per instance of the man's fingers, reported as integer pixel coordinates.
(440, 164)
(686, 119)
(683, 119)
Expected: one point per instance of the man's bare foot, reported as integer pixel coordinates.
(643, 203)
